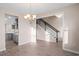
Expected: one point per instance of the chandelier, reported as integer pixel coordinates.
(30, 16)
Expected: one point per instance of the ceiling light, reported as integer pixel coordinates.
(30, 17)
(25, 17)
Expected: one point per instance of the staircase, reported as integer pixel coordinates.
(51, 31)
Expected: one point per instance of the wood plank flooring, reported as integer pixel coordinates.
(40, 48)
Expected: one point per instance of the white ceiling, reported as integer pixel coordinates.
(34, 8)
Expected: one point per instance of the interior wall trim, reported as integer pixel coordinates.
(69, 50)
(2, 49)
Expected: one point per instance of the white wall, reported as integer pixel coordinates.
(33, 31)
(2, 32)
(24, 31)
(40, 33)
(71, 25)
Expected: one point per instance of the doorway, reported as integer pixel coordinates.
(11, 31)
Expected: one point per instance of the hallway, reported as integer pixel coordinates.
(41, 48)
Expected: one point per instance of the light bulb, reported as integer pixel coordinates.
(28, 15)
(25, 17)
(34, 16)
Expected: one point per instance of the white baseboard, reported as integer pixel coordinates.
(2, 49)
(69, 50)
(23, 43)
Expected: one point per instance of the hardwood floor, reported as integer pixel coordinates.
(10, 44)
(41, 48)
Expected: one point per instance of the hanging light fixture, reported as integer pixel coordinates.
(30, 16)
